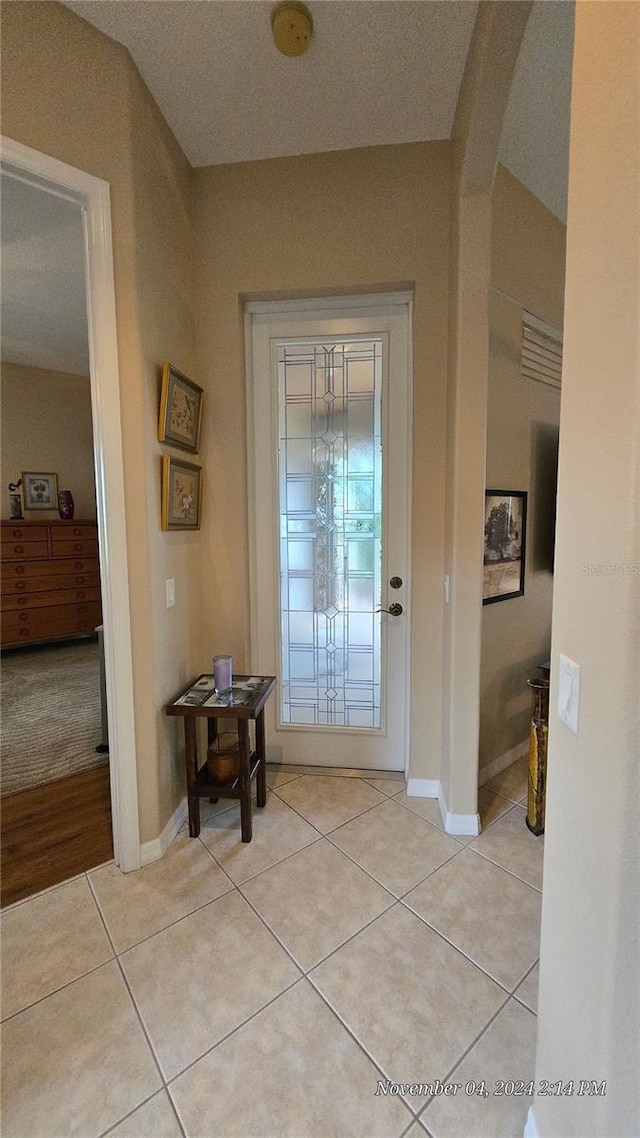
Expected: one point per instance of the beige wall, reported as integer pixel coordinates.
(527, 264)
(46, 425)
(346, 222)
(589, 1004)
(74, 94)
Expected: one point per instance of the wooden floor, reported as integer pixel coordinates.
(53, 832)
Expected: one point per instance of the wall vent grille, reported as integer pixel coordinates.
(541, 351)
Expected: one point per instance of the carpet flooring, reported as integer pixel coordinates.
(50, 723)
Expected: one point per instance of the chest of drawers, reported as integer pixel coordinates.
(50, 584)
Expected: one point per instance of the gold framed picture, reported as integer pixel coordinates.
(181, 494)
(180, 410)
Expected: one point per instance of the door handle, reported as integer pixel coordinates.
(393, 610)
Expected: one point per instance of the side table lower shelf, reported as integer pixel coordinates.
(206, 787)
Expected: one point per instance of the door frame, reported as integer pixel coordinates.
(364, 305)
(93, 196)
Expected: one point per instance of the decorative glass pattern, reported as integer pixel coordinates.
(330, 487)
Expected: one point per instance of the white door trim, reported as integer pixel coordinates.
(92, 194)
(365, 306)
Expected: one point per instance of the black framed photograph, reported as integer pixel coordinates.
(180, 410)
(181, 494)
(505, 523)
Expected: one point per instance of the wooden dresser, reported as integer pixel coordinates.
(50, 580)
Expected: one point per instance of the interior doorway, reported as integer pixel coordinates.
(90, 196)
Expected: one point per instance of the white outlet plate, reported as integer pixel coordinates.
(569, 693)
(170, 590)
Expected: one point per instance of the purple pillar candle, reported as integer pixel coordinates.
(222, 672)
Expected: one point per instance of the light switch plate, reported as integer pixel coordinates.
(569, 693)
(170, 589)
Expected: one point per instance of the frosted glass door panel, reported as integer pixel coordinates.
(330, 493)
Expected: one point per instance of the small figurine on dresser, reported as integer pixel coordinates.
(15, 500)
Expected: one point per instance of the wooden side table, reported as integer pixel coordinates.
(245, 701)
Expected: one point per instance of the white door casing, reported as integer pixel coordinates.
(386, 318)
(92, 196)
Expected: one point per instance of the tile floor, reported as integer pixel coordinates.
(264, 990)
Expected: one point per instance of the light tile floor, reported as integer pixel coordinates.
(265, 990)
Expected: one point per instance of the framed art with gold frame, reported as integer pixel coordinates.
(180, 410)
(181, 493)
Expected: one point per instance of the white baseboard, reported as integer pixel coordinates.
(497, 766)
(467, 824)
(530, 1126)
(157, 847)
(423, 787)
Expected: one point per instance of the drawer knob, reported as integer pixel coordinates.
(79, 580)
(81, 608)
(23, 616)
(21, 584)
(76, 532)
(18, 533)
(78, 546)
(24, 631)
(79, 565)
(19, 568)
(80, 595)
(18, 549)
(22, 600)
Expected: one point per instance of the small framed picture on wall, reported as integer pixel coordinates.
(40, 491)
(180, 410)
(505, 522)
(181, 494)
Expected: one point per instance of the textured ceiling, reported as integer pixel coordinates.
(377, 71)
(44, 314)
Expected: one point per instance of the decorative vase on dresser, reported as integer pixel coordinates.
(50, 580)
(66, 506)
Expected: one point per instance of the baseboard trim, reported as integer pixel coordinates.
(461, 824)
(497, 766)
(157, 847)
(530, 1126)
(423, 787)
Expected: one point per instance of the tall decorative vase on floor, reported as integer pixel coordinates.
(66, 506)
(538, 755)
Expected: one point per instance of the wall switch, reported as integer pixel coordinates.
(446, 589)
(170, 588)
(569, 692)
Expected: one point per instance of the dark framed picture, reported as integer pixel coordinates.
(40, 491)
(181, 494)
(505, 523)
(180, 410)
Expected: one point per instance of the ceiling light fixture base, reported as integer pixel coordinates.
(291, 27)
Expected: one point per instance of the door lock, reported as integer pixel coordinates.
(393, 610)
(396, 582)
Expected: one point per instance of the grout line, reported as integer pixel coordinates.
(43, 892)
(509, 871)
(349, 1030)
(306, 971)
(62, 987)
(131, 996)
(448, 1077)
(161, 1091)
(174, 1078)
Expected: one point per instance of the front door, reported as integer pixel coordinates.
(329, 472)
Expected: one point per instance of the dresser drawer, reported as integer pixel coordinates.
(20, 584)
(11, 534)
(85, 547)
(14, 571)
(18, 602)
(44, 623)
(73, 532)
(17, 550)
